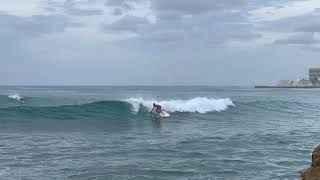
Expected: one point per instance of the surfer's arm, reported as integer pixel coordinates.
(152, 110)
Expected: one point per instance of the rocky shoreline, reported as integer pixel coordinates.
(313, 172)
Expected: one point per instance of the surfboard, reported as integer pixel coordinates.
(164, 114)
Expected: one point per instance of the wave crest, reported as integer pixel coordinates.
(196, 105)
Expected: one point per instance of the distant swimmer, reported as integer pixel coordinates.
(157, 107)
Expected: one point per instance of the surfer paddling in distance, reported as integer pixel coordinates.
(20, 99)
(157, 107)
(17, 97)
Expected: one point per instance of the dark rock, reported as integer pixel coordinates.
(313, 172)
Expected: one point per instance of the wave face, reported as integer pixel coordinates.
(195, 105)
(114, 109)
(96, 110)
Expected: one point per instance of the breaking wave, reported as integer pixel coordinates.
(14, 96)
(114, 109)
(195, 105)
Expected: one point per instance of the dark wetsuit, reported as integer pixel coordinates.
(158, 107)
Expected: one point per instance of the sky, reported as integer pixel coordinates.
(157, 42)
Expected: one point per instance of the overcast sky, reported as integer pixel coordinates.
(157, 42)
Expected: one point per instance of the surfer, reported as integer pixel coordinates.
(20, 99)
(161, 113)
(157, 106)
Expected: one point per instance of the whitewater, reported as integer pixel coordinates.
(14, 96)
(107, 132)
(196, 105)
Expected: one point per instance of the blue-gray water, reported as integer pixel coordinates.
(108, 133)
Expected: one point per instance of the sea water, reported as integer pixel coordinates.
(108, 132)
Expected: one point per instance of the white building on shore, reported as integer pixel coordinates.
(314, 80)
(295, 83)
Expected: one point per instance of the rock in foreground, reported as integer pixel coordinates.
(313, 172)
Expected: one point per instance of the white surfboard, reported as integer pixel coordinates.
(164, 114)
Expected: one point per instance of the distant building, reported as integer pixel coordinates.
(295, 83)
(313, 82)
(314, 75)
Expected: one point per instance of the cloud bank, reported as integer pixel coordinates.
(128, 41)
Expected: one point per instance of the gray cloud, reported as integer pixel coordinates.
(244, 35)
(117, 12)
(117, 2)
(124, 4)
(299, 39)
(50, 23)
(216, 18)
(198, 39)
(37, 25)
(15, 32)
(310, 27)
(202, 37)
(311, 48)
(174, 9)
(83, 12)
(304, 23)
(273, 3)
(202, 29)
(22, 27)
(70, 7)
(166, 36)
(196, 7)
(168, 9)
(168, 15)
(126, 24)
(304, 29)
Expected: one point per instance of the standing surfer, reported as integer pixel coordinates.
(157, 106)
(161, 113)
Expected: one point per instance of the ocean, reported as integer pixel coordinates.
(104, 132)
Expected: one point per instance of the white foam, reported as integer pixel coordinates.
(15, 96)
(198, 104)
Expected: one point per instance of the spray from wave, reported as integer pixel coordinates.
(196, 105)
(15, 96)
